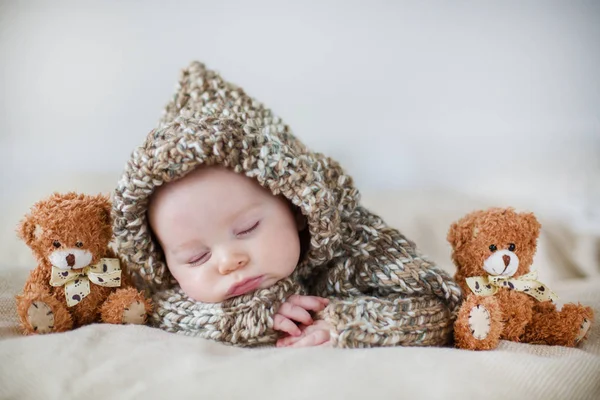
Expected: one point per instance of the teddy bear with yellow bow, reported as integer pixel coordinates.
(493, 251)
(78, 279)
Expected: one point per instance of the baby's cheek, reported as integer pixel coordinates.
(283, 251)
(201, 285)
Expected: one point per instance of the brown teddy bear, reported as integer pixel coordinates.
(78, 279)
(493, 251)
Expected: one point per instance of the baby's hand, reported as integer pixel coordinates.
(316, 334)
(297, 308)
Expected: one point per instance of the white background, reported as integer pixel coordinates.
(498, 99)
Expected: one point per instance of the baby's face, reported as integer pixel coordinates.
(224, 235)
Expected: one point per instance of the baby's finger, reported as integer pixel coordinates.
(315, 338)
(312, 303)
(283, 324)
(295, 313)
(287, 341)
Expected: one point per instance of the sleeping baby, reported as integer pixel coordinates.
(243, 235)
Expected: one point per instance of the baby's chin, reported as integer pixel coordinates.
(271, 281)
(268, 282)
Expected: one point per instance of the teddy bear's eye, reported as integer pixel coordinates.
(56, 244)
(493, 247)
(79, 244)
(511, 247)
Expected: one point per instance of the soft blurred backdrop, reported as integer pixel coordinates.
(429, 105)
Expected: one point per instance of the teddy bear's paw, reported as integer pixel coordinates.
(135, 313)
(478, 325)
(40, 317)
(125, 306)
(479, 322)
(583, 330)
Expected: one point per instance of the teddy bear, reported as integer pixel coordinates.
(493, 252)
(78, 279)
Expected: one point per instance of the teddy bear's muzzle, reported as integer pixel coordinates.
(70, 258)
(502, 262)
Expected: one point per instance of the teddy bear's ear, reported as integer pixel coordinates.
(28, 230)
(105, 209)
(451, 237)
(459, 234)
(531, 226)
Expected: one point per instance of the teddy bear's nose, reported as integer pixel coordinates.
(506, 260)
(71, 260)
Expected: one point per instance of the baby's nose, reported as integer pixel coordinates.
(233, 263)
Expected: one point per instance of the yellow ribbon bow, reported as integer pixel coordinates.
(107, 272)
(528, 284)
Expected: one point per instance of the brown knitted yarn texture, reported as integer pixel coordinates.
(245, 320)
(383, 292)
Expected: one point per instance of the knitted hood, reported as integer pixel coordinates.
(212, 122)
(383, 292)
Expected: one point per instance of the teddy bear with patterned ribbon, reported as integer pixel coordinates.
(78, 280)
(493, 252)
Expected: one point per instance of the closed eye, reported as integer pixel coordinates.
(247, 231)
(200, 260)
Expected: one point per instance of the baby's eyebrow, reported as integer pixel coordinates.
(184, 246)
(234, 216)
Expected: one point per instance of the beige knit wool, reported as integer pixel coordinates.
(383, 292)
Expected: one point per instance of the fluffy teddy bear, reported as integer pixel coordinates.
(78, 279)
(493, 251)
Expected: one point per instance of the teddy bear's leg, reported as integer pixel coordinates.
(566, 327)
(125, 306)
(40, 313)
(479, 324)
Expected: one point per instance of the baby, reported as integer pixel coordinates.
(243, 235)
(223, 236)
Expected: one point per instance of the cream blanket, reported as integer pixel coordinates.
(133, 362)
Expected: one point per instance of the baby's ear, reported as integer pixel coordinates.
(28, 230)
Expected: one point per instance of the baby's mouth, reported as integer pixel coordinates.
(245, 286)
